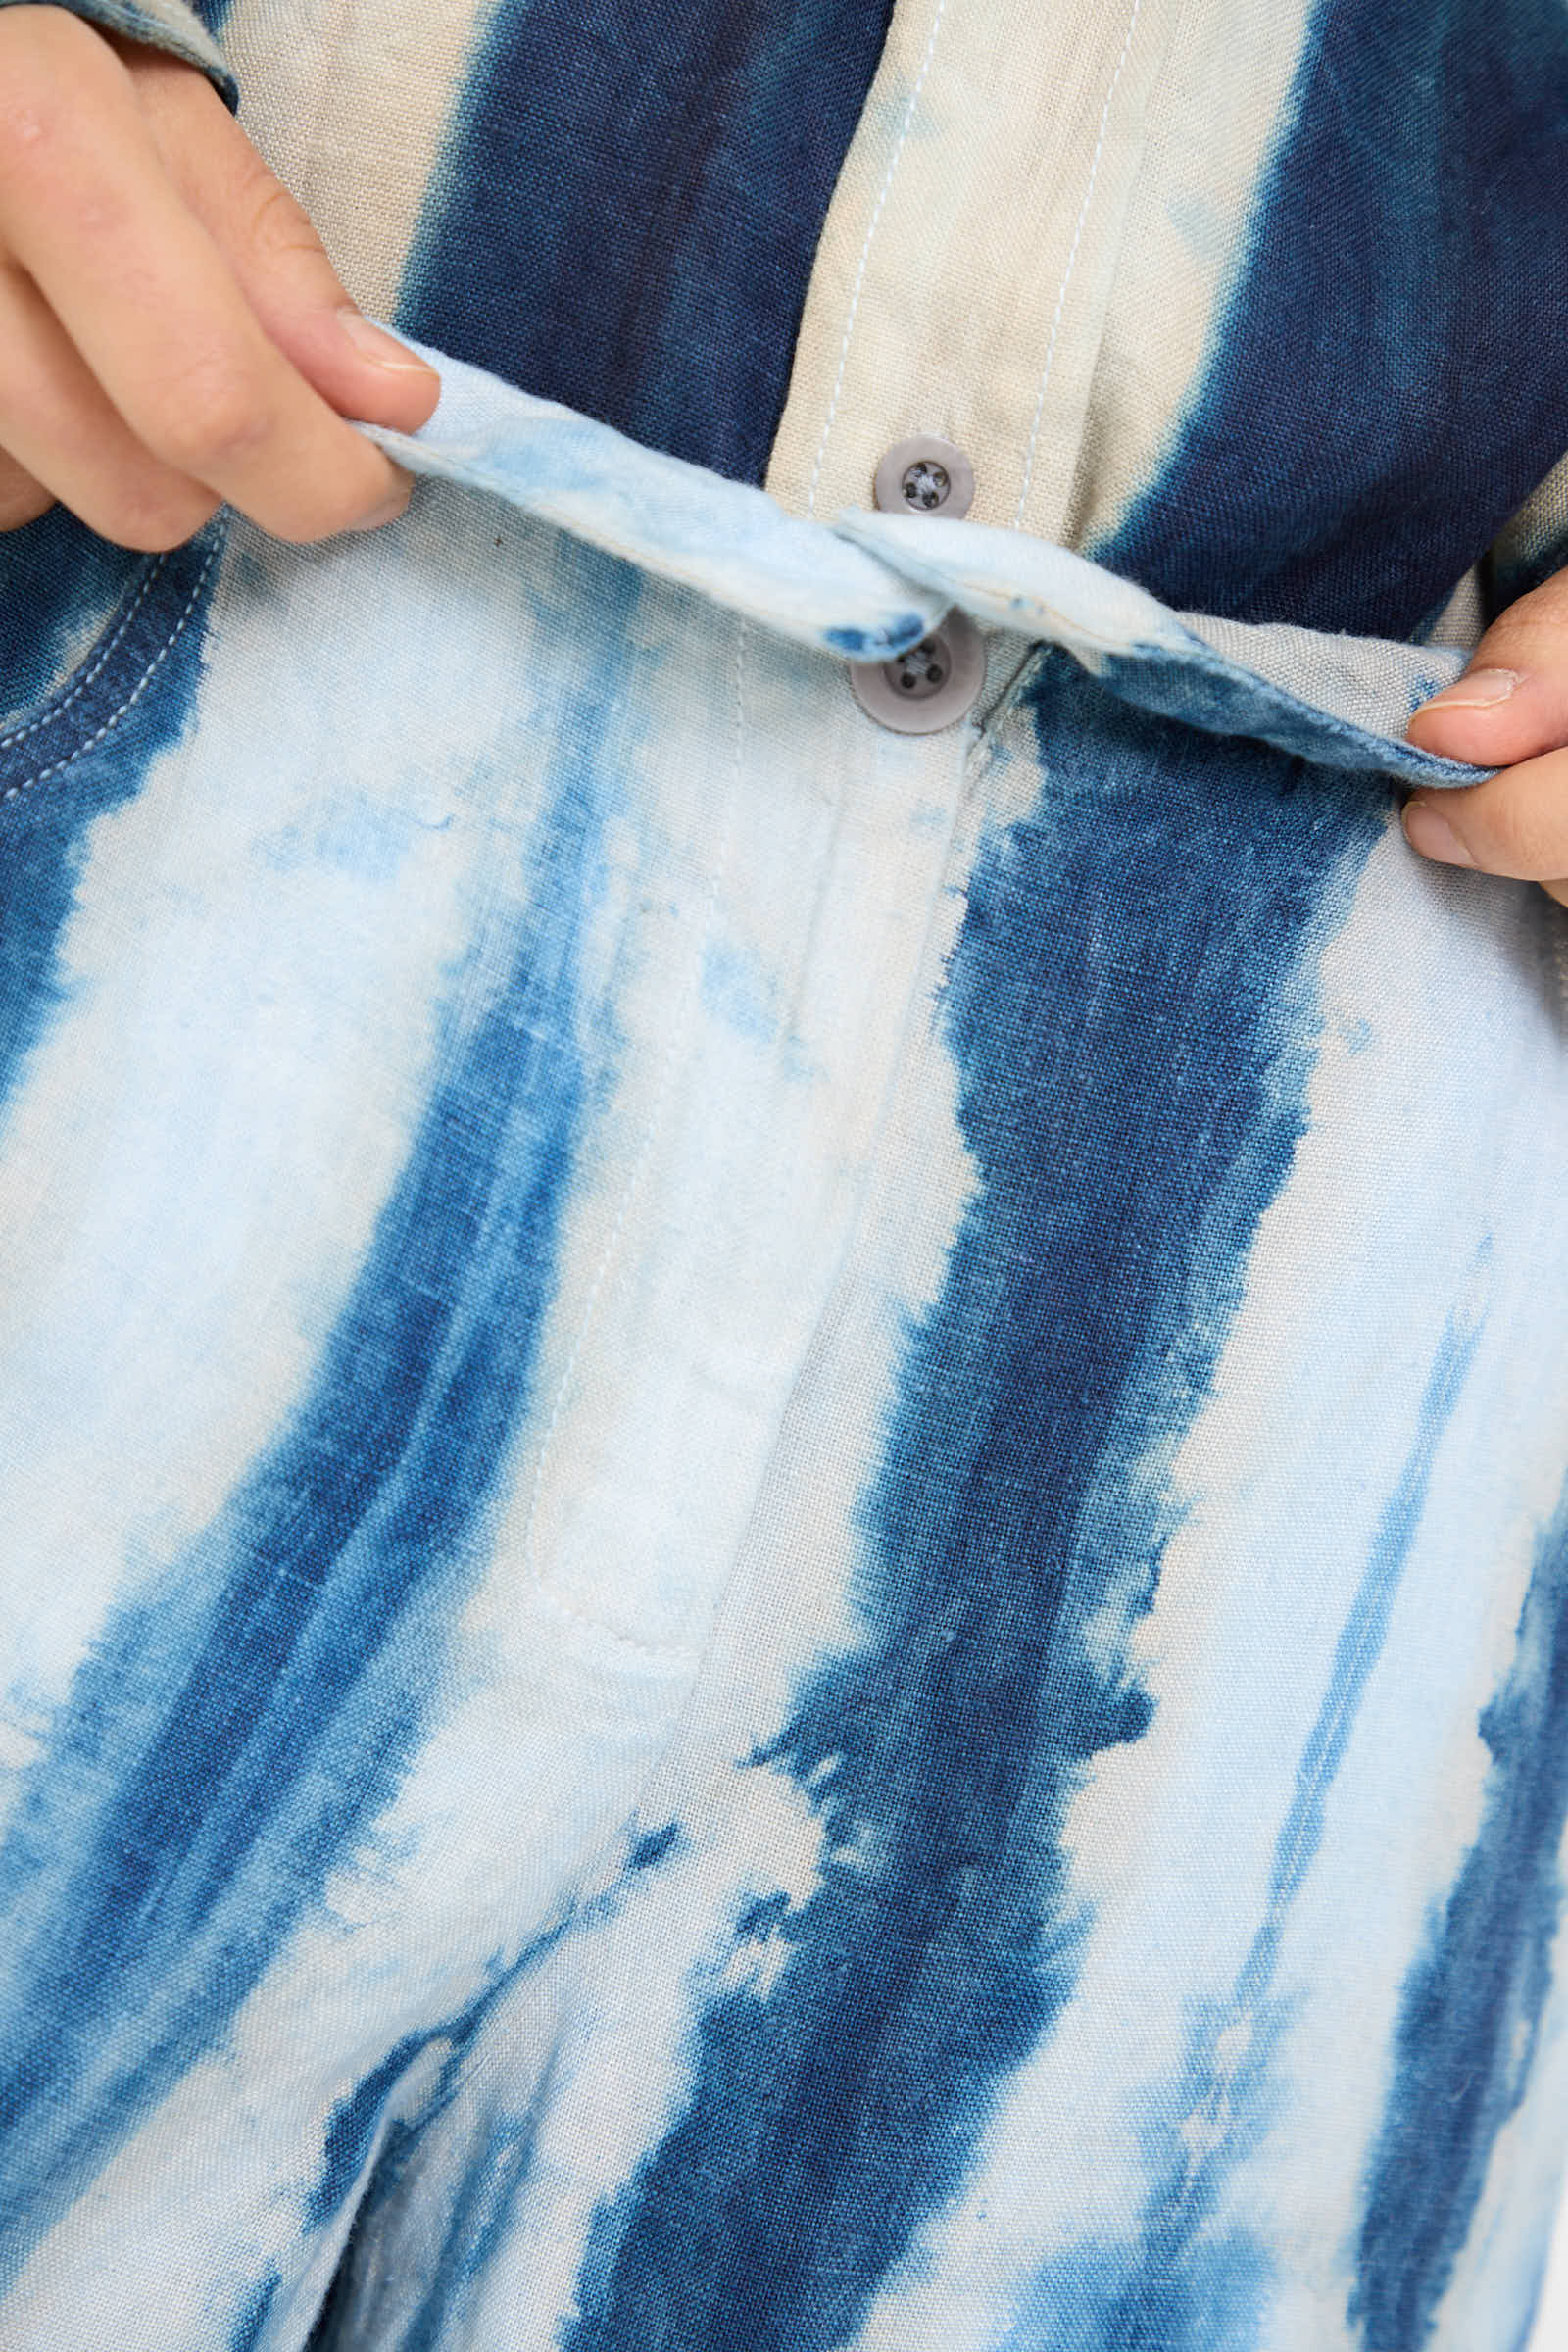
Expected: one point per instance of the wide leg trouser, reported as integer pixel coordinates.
(783, 1557)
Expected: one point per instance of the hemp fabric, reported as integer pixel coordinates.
(785, 1547)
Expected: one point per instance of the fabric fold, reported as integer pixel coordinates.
(870, 585)
(1338, 701)
(730, 541)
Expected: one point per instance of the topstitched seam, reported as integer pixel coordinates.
(1072, 263)
(50, 717)
(14, 791)
(866, 253)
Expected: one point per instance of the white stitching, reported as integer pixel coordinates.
(677, 1037)
(20, 734)
(1559, 954)
(667, 1652)
(12, 791)
(865, 254)
(1072, 262)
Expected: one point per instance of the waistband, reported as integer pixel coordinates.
(866, 586)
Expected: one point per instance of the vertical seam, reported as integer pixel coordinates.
(1072, 263)
(917, 1006)
(865, 252)
(644, 1150)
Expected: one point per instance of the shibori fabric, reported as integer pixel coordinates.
(784, 1536)
(785, 1555)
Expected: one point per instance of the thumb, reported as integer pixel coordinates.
(275, 251)
(1512, 702)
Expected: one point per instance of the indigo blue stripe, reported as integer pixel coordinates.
(494, 2177)
(1472, 2009)
(1387, 383)
(627, 214)
(479, 2188)
(235, 1730)
(1181, 2286)
(486, 2192)
(249, 2331)
(487, 2178)
(53, 574)
(1132, 1007)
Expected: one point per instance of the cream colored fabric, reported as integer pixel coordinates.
(1018, 258)
(351, 111)
(1528, 546)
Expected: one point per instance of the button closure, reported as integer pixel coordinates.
(937, 682)
(932, 686)
(924, 476)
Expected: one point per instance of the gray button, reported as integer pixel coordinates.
(932, 686)
(924, 476)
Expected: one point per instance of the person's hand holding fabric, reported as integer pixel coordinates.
(1509, 711)
(172, 332)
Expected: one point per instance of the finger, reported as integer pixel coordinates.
(22, 497)
(1514, 823)
(61, 428)
(1512, 702)
(268, 242)
(152, 306)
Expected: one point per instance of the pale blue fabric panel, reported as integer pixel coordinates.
(784, 1542)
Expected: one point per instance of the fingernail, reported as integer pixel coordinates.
(390, 507)
(373, 343)
(1433, 835)
(1477, 690)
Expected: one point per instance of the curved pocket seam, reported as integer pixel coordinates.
(78, 751)
(19, 734)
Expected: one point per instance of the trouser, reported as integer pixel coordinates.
(783, 1540)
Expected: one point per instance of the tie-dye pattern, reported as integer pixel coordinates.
(694, 223)
(784, 1506)
(784, 1552)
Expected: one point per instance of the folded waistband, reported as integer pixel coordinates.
(729, 541)
(869, 585)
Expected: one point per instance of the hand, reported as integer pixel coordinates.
(1509, 711)
(171, 333)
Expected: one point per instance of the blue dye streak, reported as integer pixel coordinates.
(54, 573)
(234, 1732)
(1385, 385)
(627, 212)
(249, 2330)
(1131, 1005)
(1177, 2288)
(485, 2179)
(1471, 2014)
